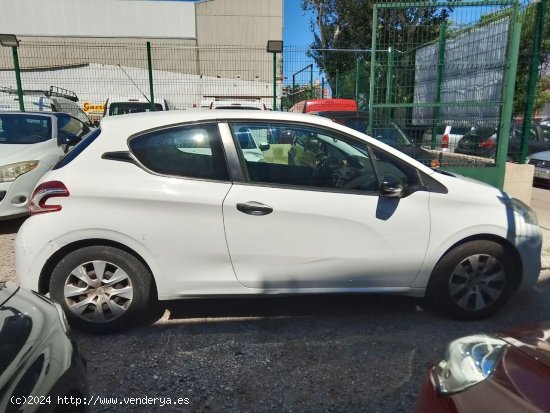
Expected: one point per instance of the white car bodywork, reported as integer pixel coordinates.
(16, 199)
(196, 243)
(541, 160)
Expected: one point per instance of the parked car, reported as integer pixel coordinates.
(130, 216)
(541, 161)
(246, 104)
(480, 141)
(385, 130)
(40, 364)
(507, 372)
(323, 105)
(30, 144)
(55, 99)
(447, 137)
(122, 105)
(539, 140)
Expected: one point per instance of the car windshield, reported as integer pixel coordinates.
(23, 129)
(122, 108)
(391, 135)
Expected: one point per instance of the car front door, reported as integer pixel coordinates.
(323, 225)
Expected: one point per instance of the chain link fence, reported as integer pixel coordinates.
(440, 71)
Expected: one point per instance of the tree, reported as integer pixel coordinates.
(542, 96)
(347, 24)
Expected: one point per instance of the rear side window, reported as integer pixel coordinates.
(78, 149)
(23, 129)
(192, 151)
(123, 108)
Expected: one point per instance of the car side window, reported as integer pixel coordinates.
(304, 156)
(68, 126)
(387, 164)
(191, 151)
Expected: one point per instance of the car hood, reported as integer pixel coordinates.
(533, 340)
(542, 156)
(20, 153)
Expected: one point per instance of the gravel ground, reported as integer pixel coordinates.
(302, 354)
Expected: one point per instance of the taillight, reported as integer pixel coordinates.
(487, 143)
(44, 192)
(445, 141)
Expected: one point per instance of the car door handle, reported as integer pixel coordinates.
(254, 208)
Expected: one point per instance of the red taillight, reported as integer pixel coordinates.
(44, 192)
(445, 141)
(487, 143)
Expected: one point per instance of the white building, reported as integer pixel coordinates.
(203, 50)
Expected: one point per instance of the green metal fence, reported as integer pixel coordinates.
(433, 68)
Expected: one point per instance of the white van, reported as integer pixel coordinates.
(122, 105)
(55, 99)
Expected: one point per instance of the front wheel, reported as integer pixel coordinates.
(101, 288)
(473, 280)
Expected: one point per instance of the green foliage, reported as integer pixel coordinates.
(528, 18)
(347, 24)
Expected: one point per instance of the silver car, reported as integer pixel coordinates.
(541, 161)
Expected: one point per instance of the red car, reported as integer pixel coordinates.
(505, 373)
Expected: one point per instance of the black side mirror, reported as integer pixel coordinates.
(67, 141)
(391, 187)
(264, 147)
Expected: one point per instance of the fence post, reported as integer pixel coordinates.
(357, 79)
(337, 82)
(150, 67)
(18, 78)
(372, 67)
(440, 67)
(532, 85)
(322, 88)
(311, 82)
(389, 79)
(507, 109)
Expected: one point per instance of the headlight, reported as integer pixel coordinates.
(469, 360)
(522, 209)
(9, 173)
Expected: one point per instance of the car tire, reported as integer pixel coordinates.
(101, 288)
(473, 280)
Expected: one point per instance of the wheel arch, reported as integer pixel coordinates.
(506, 244)
(46, 272)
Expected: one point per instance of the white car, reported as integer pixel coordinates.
(122, 105)
(447, 137)
(132, 215)
(40, 363)
(55, 99)
(541, 161)
(30, 144)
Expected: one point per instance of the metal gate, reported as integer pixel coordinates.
(447, 71)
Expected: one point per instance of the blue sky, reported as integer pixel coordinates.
(296, 25)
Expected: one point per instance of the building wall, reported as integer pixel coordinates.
(98, 18)
(215, 39)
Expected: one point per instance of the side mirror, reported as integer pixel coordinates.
(96, 123)
(67, 141)
(391, 187)
(264, 147)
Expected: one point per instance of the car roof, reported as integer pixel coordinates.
(138, 122)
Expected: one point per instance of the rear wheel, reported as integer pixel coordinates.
(473, 280)
(101, 288)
